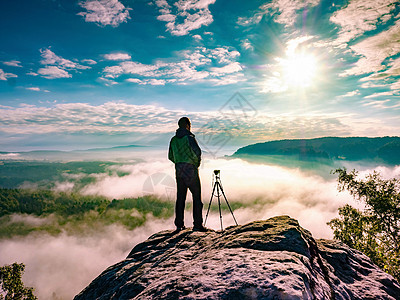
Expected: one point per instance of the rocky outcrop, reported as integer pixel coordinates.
(272, 259)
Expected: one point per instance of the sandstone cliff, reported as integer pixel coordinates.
(272, 259)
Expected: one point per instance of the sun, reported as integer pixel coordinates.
(299, 70)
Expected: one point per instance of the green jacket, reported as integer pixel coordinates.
(183, 148)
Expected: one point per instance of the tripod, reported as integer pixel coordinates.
(219, 191)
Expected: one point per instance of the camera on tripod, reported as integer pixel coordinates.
(217, 191)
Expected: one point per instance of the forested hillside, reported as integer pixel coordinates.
(382, 149)
(54, 212)
(44, 173)
(24, 211)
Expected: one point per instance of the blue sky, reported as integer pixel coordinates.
(96, 73)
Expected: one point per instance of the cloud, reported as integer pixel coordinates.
(5, 76)
(231, 68)
(378, 104)
(105, 12)
(72, 125)
(385, 172)
(224, 54)
(274, 84)
(284, 12)
(13, 63)
(31, 73)
(89, 61)
(387, 104)
(9, 156)
(360, 16)
(117, 56)
(198, 64)
(130, 67)
(375, 50)
(370, 84)
(247, 45)
(264, 190)
(195, 14)
(351, 94)
(60, 266)
(64, 187)
(56, 66)
(293, 44)
(82, 117)
(107, 81)
(197, 37)
(395, 85)
(50, 58)
(147, 81)
(36, 89)
(384, 78)
(228, 79)
(134, 80)
(394, 68)
(82, 123)
(247, 21)
(53, 72)
(374, 95)
(156, 82)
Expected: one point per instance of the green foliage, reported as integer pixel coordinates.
(390, 152)
(11, 284)
(39, 202)
(376, 230)
(144, 205)
(71, 212)
(44, 174)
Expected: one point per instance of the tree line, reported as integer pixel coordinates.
(375, 230)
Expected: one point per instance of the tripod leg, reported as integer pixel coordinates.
(219, 204)
(226, 200)
(209, 204)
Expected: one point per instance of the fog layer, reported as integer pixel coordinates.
(62, 265)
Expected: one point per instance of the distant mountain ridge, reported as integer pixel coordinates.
(76, 150)
(380, 149)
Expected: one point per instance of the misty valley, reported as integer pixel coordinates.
(121, 121)
(72, 218)
(26, 211)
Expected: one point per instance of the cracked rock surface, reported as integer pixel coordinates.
(271, 259)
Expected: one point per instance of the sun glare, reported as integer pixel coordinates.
(299, 70)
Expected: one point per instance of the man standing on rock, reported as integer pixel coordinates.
(185, 153)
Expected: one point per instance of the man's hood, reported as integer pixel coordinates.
(181, 132)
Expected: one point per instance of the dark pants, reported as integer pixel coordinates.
(187, 177)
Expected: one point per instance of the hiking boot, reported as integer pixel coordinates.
(180, 228)
(200, 228)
